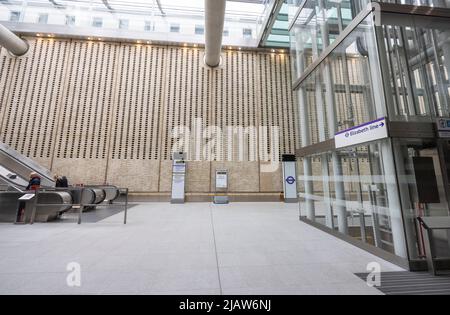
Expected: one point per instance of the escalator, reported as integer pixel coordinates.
(14, 173)
(10, 181)
(16, 168)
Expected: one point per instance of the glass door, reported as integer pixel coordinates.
(423, 182)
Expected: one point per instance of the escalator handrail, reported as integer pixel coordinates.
(25, 161)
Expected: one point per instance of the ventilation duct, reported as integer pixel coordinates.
(12, 42)
(214, 20)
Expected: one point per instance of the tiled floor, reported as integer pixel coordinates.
(195, 248)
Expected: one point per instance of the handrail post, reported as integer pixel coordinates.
(80, 211)
(126, 207)
(33, 213)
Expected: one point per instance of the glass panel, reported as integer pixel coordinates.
(123, 24)
(97, 22)
(353, 190)
(199, 30)
(43, 18)
(316, 27)
(70, 20)
(279, 33)
(292, 8)
(363, 209)
(352, 65)
(318, 189)
(422, 187)
(345, 90)
(14, 16)
(175, 28)
(366, 197)
(416, 65)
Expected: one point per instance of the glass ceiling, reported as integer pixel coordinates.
(279, 34)
(172, 20)
(247, 9)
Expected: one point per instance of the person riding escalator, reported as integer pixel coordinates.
(35, 182)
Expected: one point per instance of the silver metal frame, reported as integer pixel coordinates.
(294, 19)
(387, 8)
(347, 31)
(268, 22)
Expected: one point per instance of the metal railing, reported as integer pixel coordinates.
(80, 206)
(103, 187)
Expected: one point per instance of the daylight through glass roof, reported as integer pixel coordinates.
(159, 20)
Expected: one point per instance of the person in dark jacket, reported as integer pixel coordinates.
(35, 181)
(61, 181)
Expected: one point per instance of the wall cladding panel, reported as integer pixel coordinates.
(137, 175)
(277, 106)
(136, 130)
(198, 176)
(243, 176)
(88, 109)
(6, 68)
(235, 107)
(107, 112)
(187, 102)
(31, 108)
(165, 176)
(88, 101)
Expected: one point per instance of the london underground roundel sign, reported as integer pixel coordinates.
(290, 180)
